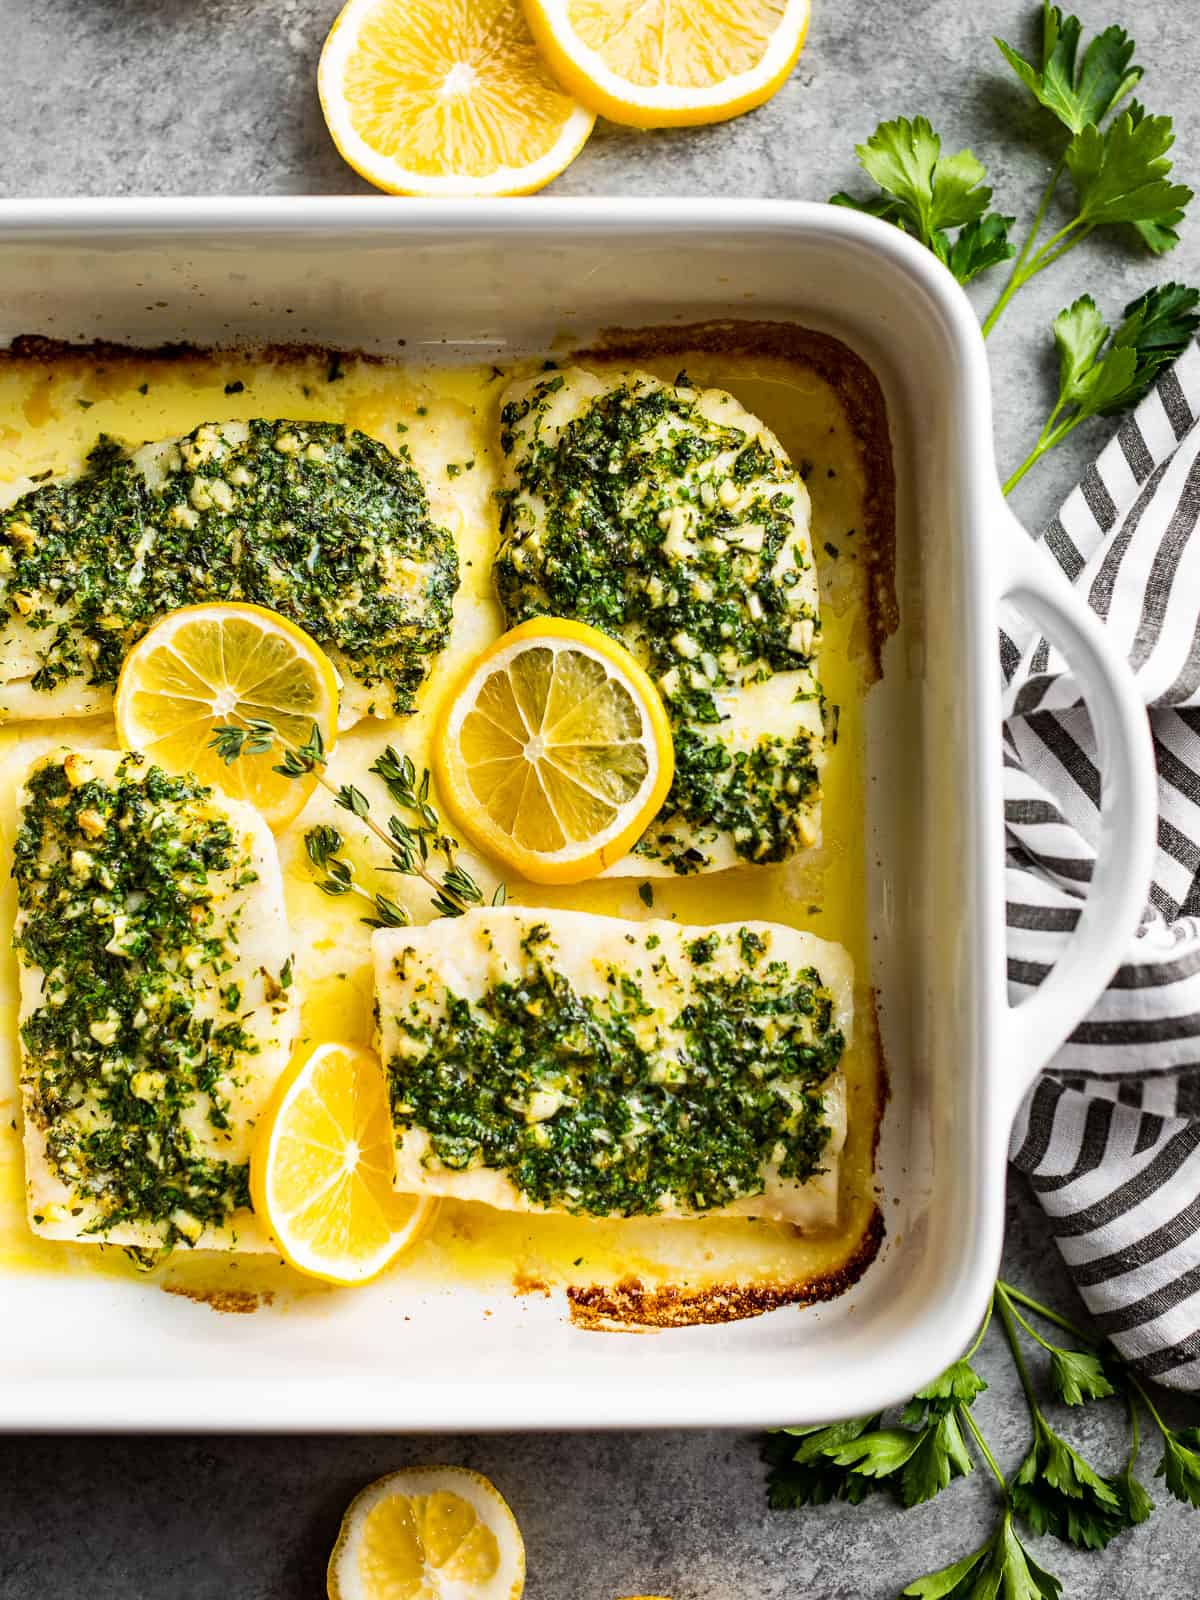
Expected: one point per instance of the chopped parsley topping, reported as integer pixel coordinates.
(316, 521)
(676, 534)
(136, 1042)
(612, 1106)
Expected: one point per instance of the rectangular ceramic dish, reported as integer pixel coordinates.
(478, 278)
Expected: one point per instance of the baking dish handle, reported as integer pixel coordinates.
(1120, 884)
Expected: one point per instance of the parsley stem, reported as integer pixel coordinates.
(1031, 1330)
(1031, 460)
(1056, 247)
(1135, 1434)
(1004, 1306)
(1051, 435)
(983, 1327)
(1140, 1387)
(1015, 278)
(964, 1415)
(1013, 1293)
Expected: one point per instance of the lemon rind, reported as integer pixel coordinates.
(588, 77)
(291, 1083)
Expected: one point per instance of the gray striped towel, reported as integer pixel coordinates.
(1110, 1134)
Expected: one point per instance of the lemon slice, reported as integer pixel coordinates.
(428, 1533)
(211, 666)
(446, 97)
(555, 752)
(322, 1168)
(663, 63)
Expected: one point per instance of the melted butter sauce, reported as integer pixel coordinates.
(51, 414)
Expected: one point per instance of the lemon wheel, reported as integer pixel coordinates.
(206, 667)
(425, 1533)
(323, 1165)
(446, 98)
(555, 753)
(659, 63)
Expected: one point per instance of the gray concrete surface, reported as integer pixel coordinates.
(217, 97)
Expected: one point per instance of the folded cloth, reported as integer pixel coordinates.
(1110, 1134)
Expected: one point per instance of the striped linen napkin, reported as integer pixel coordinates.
(1110, 1134)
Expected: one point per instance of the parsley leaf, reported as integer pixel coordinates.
(1159, 326)
(983, 243)
(800, 1475)
(1122, 175)
(1078, 1376)
(928, 195)
(920, 1461)
(1180, 1465)
(1077, 92)
(940, 1456)
(956, 1581)
(876, 1454)
(1099, 374)
(1057, 1492)
(1135, 1502)
(959, 1385)
(1002, 1566)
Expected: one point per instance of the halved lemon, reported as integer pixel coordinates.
(446, 97)
(555, 752)
(662, 63)
(428, 1533)
(322, 1169)
(211, 666)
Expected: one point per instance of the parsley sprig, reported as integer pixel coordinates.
(415, 842)
(931, 195)
(1114, 168)
(1103, 371)
(1120, 170)
(1116, 159)
(1053, 1491)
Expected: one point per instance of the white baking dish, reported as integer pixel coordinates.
(103, 1353)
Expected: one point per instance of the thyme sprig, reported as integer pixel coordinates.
(416, 844)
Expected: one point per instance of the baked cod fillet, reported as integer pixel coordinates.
(313, 520)
(558, 1061)
(156, 1006)
(671, 518)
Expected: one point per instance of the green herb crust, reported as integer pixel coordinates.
(673, 1082)
(684, 535)
(316, 521)
(139, 1043)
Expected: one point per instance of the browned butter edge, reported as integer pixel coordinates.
(861, 397)
(41, 347)
(629, 1304)
(618, 1307)
(233, 1302)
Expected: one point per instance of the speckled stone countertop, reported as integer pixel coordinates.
(102, 97)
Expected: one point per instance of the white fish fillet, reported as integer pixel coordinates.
(672, 514)
(344, 546)
(419, 970)
(247, 945)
